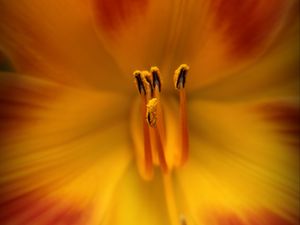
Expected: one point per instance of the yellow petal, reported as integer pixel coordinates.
(138, 201)
(56, 40)
(79, 176)
(244, 160)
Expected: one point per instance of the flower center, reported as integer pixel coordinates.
(155, 150)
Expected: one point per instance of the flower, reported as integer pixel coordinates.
(73, 138)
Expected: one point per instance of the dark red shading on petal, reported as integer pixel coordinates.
(31, 208)
(230, 219)
(286, 116)
(112, 14)
(10, 207)
(262, 217)
(20, 102)
(267, 217)
(246, 24)
(223, 218)
(68, 216)
(24, 55)
(5, 63)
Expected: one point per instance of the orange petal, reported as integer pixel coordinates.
(135, 32)
(272, 75)
(40, 43)
(230, 38)
(112, 15)
(58, 143)
(246, 25)
(248, 217)
(284, 118)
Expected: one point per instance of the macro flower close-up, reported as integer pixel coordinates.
(147, 112)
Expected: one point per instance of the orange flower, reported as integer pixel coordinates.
(80, 144)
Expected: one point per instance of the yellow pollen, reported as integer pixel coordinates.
(151, 114)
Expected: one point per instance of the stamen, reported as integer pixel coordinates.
(147, 144)
(157, 85)
(142, 88)
(151, 118)
(180, 76)
(179, 82)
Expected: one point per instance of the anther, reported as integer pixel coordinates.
(147, 83)
(139, 83)
(180, 76)
(156, 77)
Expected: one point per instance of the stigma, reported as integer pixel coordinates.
(155, 152)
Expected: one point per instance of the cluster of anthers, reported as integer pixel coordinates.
(149, 86)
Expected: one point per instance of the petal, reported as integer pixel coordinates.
(260, 217)
(58, 152)
(138, 201)
(275, 74)
(217, 38)
(5, 63)
(136, 32)
(42, 210)
(39, 105)
(80, 188)
(242, 160)
(231, 37)
(56, 41)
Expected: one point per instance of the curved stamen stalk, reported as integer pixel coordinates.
(147, 142)
(157, 85)
(179, 82)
